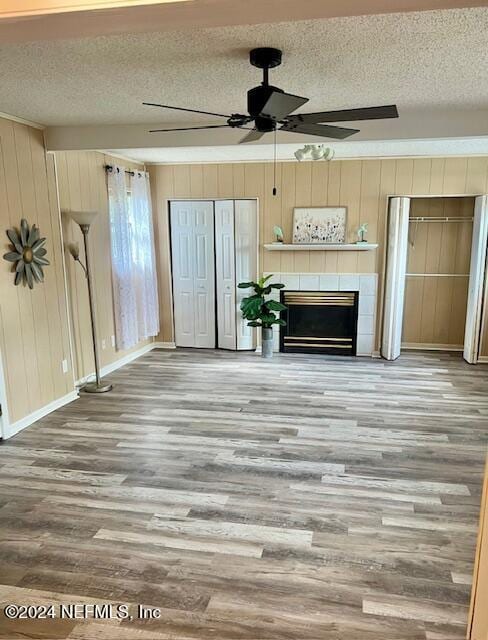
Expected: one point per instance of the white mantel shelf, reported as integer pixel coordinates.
(279, 246)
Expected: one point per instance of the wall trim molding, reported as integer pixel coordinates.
(15, 427)
(29, 123)
(119, 156)
(483, 359)
(164, 345)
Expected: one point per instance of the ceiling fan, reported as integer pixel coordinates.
(270, 108)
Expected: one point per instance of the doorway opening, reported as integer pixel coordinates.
(437, 280)
(435, 275)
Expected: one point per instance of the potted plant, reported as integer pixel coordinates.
(262, 312)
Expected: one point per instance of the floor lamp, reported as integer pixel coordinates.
(84, 219)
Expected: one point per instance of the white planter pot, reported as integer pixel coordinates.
(267, 342)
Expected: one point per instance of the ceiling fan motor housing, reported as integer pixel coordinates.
(257, 98)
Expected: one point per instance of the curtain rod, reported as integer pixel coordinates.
(110, 168)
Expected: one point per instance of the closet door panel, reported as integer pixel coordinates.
(192, 244)
(204, 275)
(246, 218)
(477, 285)
(225, 274)
(182, 223)
(396, 268)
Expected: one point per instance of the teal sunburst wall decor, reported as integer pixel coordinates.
(28, 254)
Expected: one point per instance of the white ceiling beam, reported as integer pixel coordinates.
(412, 125)
(285, 152)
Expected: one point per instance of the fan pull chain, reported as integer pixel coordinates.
(274, 165)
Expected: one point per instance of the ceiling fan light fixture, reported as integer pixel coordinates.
(314, 152)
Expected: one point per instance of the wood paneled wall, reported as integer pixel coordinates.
(83, 185)
(435, 306)
(34, 337)
(362, 185)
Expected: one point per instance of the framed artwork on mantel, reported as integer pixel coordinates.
(319, 225)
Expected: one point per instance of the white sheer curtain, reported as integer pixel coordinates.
(145, 277)
(134, 277)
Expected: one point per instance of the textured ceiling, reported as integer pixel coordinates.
(428, 60)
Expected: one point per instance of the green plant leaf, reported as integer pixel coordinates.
(274, 305)
(254, 323)
(277, 285)
(268, 319)
(246, 285)
(279, 321)
(251, 307)
(264, 279)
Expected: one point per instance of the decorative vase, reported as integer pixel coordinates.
(267, 342)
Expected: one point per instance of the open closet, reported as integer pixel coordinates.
(435, 274)
(438, 262)
(213, 248)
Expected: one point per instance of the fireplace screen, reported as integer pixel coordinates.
(319, 322)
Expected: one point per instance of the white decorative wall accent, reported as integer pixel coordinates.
(365, 283)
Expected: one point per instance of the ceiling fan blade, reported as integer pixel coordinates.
(322, 130)
(166, 106)
(253, 135)
(347, 115)
(210, 126)
(280, 104)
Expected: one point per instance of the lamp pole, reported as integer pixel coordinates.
(97, 386)
(84, 220)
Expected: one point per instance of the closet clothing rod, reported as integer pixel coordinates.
(436, 219)
(438, 275)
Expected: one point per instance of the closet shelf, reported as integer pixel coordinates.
(362, 246)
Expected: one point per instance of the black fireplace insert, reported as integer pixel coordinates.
(319, 322)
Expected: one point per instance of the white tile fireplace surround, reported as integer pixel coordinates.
(365, 283)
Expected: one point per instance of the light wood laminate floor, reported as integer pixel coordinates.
(300, 498)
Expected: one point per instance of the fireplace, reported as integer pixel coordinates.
(319, 322)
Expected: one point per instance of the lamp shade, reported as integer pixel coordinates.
(83, 217)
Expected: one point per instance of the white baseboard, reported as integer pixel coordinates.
(483, 359)
(11, 429)
(15, 427)
(113, 366)
(164, 345)
(420, 346)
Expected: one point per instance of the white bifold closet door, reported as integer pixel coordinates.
(477, 285)
(214, 247)
(396, 269)
(236, 261)
(225, 274)
(246, 247)
(193, 262)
